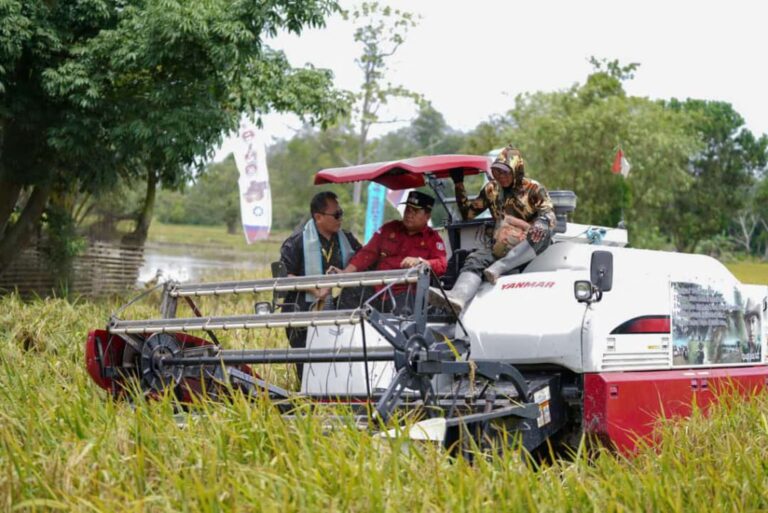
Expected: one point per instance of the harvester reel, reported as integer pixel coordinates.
(156, 376)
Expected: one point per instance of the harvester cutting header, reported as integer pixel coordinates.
(546, 329)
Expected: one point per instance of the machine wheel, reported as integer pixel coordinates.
(155, 376)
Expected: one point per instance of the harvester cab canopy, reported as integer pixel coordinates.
(405, 174)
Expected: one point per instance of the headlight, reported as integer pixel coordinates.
(582, 290)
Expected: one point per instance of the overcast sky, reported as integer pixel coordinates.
(471, 58)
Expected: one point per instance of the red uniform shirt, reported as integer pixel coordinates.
(391, 244)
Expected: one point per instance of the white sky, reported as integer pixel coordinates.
(471, 58)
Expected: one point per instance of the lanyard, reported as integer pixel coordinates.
(328, 254)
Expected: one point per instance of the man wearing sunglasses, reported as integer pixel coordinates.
(320, 244)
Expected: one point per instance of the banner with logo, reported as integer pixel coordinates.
(255, 194)
(374, 213)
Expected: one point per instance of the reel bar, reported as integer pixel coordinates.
(251, 321)
(295, 283)
(267, 356)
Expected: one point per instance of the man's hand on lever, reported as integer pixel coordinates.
(335, 270)
(412, 262)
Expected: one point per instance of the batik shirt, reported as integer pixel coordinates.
(528, 202)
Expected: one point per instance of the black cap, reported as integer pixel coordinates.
(418, 199)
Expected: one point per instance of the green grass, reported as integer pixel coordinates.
(214, 236)
(65, 446)
(750, 272)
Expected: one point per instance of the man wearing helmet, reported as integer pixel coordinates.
(525, 219)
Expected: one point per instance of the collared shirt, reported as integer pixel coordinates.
(392, 243)
(529, 202)
(292, 255)
(292, 251)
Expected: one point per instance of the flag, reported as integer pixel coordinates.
(255, 194)
(620, 164)
(397, 197)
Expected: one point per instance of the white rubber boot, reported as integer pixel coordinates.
(517, 256)
(463, 290)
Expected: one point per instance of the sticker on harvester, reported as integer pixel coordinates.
(542, 398)
(542, 395)
(545, 417)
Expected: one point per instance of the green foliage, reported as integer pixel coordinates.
(381, 30)
(292, 167)
(428, 134)
(99, 90)
(213, 199)
(723, 172)
(293, 164)
(155, 80)
(62, 242)
(569, 139)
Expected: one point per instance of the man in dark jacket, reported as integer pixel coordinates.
(317, 246)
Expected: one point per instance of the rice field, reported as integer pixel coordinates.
(64, 445)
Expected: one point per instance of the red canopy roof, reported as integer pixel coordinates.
(404, 174)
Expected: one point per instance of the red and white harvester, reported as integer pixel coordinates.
(590, 338)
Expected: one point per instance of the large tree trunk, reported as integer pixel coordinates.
(139, 236)
(9, 195)
(17, 235)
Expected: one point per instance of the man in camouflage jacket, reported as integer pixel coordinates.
(510, 193)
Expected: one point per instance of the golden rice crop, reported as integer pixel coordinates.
(65, 446)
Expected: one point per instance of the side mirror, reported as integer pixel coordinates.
(601, 270)
(601, 279)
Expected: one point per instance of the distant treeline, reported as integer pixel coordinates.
(697, 182)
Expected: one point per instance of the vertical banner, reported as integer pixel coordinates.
(374, 213)
(255, 194)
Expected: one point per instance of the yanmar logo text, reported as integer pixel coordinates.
(529, 285)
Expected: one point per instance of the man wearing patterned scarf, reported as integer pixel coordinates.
(525, 220)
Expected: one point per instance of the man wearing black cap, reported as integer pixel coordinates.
(406, 243)
(524, 214)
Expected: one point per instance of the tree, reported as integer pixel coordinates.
(427, 134)
(569, 139)
(292, 166)
(101, 90)
(381, 30)
(722, 173)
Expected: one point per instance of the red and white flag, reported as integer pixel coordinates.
(620, 164)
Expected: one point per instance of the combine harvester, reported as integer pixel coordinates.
(590, 338)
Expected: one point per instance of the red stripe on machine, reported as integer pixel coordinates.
(647, 324)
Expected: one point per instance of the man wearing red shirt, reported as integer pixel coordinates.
(403, 244)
